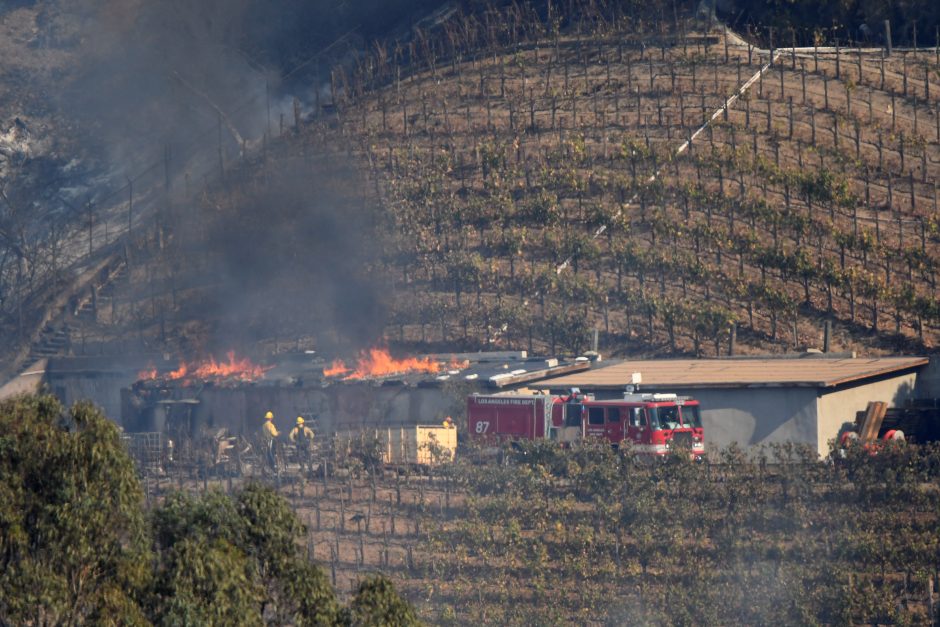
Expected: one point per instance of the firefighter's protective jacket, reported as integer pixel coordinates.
(269, 430)
(301, 435)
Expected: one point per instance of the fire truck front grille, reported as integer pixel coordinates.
(682, 438)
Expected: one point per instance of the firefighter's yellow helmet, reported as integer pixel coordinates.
(300, 420)
(269, 416)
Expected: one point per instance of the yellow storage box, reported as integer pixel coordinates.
(426, 445)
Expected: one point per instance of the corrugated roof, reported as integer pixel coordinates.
(708, 373)
(493, 369)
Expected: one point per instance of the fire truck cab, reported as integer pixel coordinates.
(652, 423)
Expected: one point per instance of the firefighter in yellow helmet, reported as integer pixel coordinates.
(301, 433)
(268, 433)
(302, 437)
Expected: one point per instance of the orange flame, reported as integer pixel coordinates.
(335, 369)
(453, 364)
(242, 369)
(377, 362)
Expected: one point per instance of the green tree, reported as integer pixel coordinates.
(235, 559)
(73, 544)
(76, 547)
(377, 603)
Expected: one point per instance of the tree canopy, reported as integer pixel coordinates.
(73, 538)
(77, 544)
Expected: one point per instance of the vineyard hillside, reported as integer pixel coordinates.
(525, 176)
(540, 184)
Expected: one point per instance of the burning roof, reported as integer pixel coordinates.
(348, 397)
(498, 369)
(495, 369)
(378, 362)
(233, 369)
(376, 366)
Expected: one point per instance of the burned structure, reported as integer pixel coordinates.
(330, 397)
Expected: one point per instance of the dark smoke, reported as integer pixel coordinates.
(162, 86)
(297, 258)
(155, 75)
(151, 71)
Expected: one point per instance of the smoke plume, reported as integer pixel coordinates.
(162, 88)
(297, 257)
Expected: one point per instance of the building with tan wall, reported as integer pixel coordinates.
(753, 401)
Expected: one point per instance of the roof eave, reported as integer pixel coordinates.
(897, 370)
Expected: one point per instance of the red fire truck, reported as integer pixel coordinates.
(652, 422)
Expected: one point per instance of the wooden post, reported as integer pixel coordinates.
(888, 44)
(792, 49)
(882, 70)
(858, 140)
(812, 118)
(937, 46)
(334, 556)
(936, 117)
(770, 38)
(880, 151)
(803, 78)
(890, 192)
(858, 60)
(904, 73)
(901, 149)
(838, 60)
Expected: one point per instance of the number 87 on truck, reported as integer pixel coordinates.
(652, 424)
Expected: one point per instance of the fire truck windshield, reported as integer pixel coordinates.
(691, 416)
(669, 418)
(664, 417)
